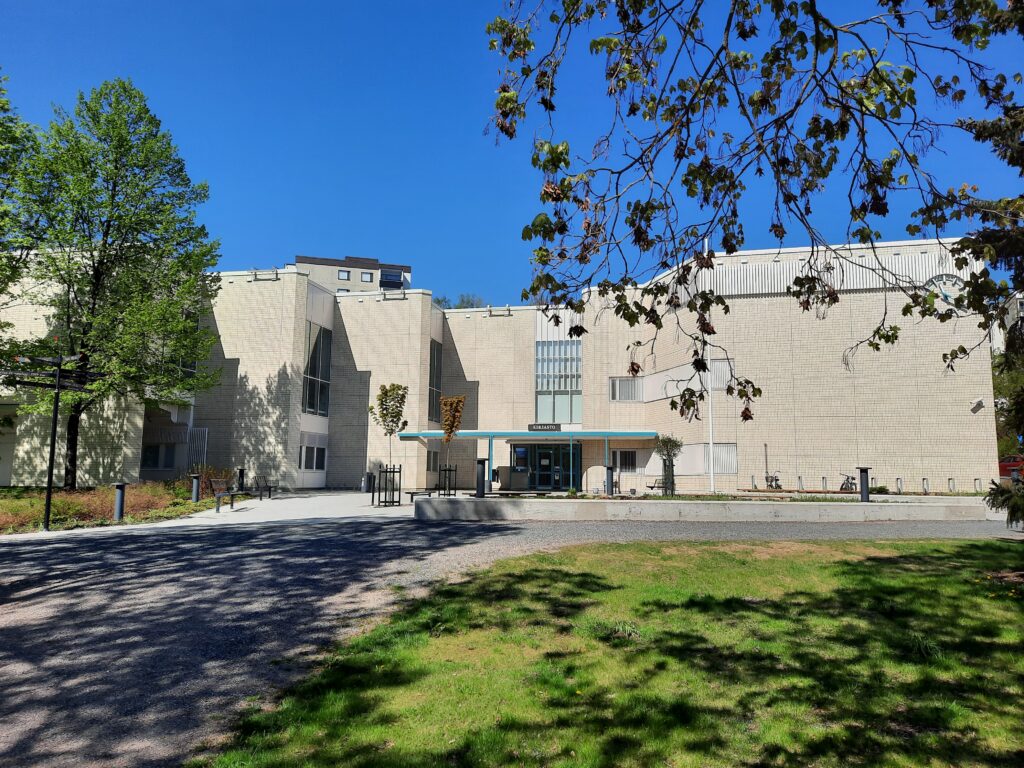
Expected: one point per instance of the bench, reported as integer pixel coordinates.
(657, 485)
(428, 492)
(261, 484)
(219, 489)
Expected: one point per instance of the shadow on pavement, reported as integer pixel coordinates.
(125, 650)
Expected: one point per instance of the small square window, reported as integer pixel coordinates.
(366, 277)
(150, 456)
(343, 290)
(344, 274)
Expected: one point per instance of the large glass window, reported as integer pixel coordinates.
(317, 375)
(560, 381)
(434, 384)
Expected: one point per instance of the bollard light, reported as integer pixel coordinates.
(865, 489)
(119, 501)
(195, 488)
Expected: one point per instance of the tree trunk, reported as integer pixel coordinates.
(71, 448)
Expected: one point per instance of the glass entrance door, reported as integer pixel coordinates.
(545, 469)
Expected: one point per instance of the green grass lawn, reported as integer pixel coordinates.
(787, 654)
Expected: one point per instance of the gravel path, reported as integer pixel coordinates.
(135, 649)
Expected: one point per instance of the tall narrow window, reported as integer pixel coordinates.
(434, 383)
(316, 390)
(559, 378)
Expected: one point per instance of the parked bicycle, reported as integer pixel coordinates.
(849, 484)
(772, 482)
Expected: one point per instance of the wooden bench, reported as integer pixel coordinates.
(657, 485)
(261, 484)
(428, 492)
(219, 489)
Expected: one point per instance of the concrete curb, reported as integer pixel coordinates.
(691, 511)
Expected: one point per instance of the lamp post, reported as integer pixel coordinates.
(39, 378)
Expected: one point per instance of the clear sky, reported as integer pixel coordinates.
(330, 128)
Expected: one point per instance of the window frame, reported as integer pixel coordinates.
(347, 275)
(615, 389)
(618, 463)
(316, 377)
(366, 277)
(558, 377)
(434, 381)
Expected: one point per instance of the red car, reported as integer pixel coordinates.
(1008, 464)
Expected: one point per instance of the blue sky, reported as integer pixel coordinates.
(333, 128)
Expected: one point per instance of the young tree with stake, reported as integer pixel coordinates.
(390, 410)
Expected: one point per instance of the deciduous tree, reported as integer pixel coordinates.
(451, 419)
(389, 414)
(120, 264)
(713, 106)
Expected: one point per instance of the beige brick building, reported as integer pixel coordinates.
(304, 349)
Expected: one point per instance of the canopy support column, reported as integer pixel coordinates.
(572, 467)
(490, 461)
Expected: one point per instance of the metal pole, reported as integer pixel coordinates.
(195, 488)
(119, 502)
(490, 462)
(711, 423)
(711, 409)
(572, 475)
(53, 445)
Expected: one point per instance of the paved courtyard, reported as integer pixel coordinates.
(135, 646)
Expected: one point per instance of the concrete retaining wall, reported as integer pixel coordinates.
(696, 511)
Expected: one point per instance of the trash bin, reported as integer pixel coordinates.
(368, 483)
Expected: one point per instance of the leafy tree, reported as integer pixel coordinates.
(120, 263)
(465, 301)
(469, 301)
(1010, 499)
(451, 419)
(389, 414)
(17, 142)
(667, 447)
(1008, 387)
(710, 101)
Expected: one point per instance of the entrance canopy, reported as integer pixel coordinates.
(577, 435)
(540, 436)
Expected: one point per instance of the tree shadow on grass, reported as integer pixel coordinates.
(903, 664)
(892, 663)
(613, 725)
